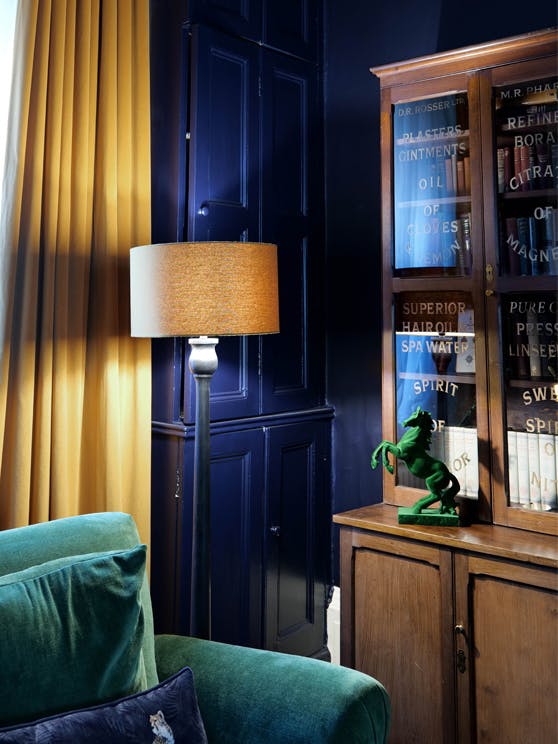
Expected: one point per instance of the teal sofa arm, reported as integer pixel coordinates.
(251, 696)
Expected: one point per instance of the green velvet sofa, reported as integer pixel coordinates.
(245, 695)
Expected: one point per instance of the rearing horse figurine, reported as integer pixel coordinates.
(412, 448)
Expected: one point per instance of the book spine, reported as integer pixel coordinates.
(460, 178)
(535, 366)
(537, 266)
(517, 179)
(450, 185)
(524, 167)
(512, 244)
(523, 470)
(544, 181)
(467, 173)
(534, 471)
(467, 255)
(524, 246)
(500, 170)
(547, 470)
(508, 167)
(513, 483)
(551, 239)
(471, 463)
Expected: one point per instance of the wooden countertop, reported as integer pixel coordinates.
(488, 539)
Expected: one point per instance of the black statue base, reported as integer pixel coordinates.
(405, 515)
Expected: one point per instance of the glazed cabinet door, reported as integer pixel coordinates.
(508, 689)
(522, 308)
(433, 275)
(403, 628)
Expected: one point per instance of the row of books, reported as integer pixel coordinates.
(527, 167)
(529, 245)
(458, 175)
(440, 241)
(531, 337)
(436, 178)
(456, 446)
(532, 465)
(533, 470)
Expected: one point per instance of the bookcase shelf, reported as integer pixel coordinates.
(469, 613)
(534, 194)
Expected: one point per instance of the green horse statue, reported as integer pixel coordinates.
(412, 448)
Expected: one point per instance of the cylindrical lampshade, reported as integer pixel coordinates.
(204, 289)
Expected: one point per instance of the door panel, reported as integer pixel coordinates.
(297, 538)
(237, 484)
(224, 134)
(514, 653)
(290, 359)
(399, 627)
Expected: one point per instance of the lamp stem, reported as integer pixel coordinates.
(202, 363)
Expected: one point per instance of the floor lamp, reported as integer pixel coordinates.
(203, 290)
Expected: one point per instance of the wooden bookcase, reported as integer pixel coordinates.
(461, 623)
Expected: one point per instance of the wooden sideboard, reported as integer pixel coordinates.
(459, 624)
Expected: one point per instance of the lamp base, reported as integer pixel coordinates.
(202, 363)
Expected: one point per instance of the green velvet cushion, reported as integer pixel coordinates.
(71, 633)
(22, 547)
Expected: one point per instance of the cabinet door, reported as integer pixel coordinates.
(223, 183)
(401, 617)
(522, 234)
(166, 473)
(434, 273)
(292, 361)
(298, 536)
(237, 486)
(509, 613)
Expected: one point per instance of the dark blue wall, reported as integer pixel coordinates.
(359, 35)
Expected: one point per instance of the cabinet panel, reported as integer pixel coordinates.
(223, 189)
(399, 606)
(237, 483)
(290, 202)
(166, 472)
(297, 537)
(513, 652)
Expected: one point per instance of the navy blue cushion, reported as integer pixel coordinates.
(169, 710)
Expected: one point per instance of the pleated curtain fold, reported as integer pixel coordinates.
(75, 388)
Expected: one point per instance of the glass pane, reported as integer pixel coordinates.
(531, 396)
(432, 186)
(435, 368)
(526, 129)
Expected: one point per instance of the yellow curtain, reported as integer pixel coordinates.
(75, 389)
